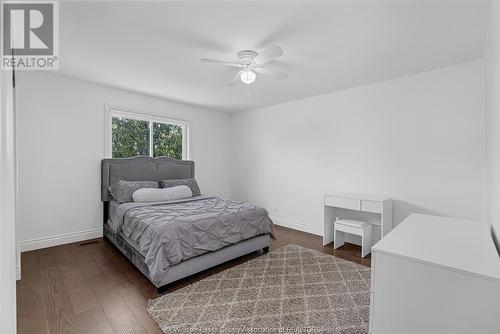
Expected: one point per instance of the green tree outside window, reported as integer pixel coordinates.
(167, 140)
(130, 137)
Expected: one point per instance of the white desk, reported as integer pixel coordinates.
(435, 275)
(374, 209)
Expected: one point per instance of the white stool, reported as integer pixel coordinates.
(356, 227)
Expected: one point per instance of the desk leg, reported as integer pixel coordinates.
(366, 242)
(329, 219)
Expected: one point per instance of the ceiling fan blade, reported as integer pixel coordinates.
(272, 73)
(235, 80)
(268, 54)
(222, 62)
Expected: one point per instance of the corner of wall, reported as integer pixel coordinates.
(491, 79)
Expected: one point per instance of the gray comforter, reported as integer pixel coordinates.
(171, 232)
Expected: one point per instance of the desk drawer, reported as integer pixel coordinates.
(371, 206)
(341, 202)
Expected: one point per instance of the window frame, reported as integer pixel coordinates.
(112, 111)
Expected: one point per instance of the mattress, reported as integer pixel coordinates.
(168, 233)
(193, 265)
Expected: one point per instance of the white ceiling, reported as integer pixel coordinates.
(155, 47)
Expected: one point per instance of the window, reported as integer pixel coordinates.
(130, 134)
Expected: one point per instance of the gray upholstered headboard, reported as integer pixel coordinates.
(142, 169)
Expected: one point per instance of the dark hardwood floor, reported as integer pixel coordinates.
(93, 288)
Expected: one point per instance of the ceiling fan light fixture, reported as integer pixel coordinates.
(248, 77)
(250, 63)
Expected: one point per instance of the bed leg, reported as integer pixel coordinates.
(265, 250)
(162, 289)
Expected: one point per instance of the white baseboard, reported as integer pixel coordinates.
(296, 225)
(18, 273)
(61, 239)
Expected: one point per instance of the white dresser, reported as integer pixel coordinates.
(435, 275)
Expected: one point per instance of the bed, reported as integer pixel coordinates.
(168, 241)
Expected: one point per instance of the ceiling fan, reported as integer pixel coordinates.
(251, 63)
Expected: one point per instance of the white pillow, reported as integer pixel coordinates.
(162, 194)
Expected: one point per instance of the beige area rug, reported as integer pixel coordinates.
(289, 290)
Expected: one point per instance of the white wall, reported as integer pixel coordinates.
(418, 139)
(61, 143)
(492, 104)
